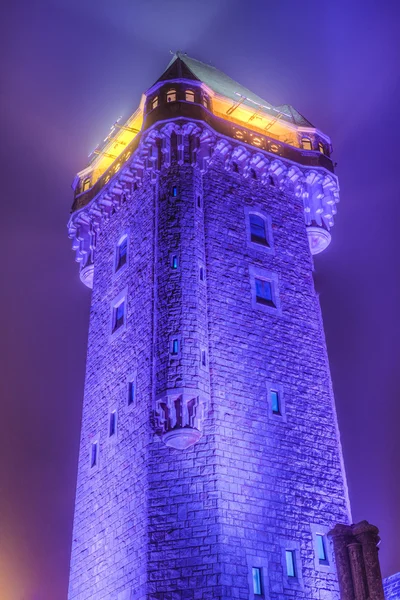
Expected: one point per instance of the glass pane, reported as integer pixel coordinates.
(321, 547)
(267, 290)
(112, 423)
(257, 581)
(257, 228)
(290, 568)
(175, 262)
(131, 396)
(94, 455)
(275, 402)
(175, 347)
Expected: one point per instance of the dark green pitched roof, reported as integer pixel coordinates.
(182, 66)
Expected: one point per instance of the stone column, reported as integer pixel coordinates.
(367, 535)
(341, 538)
(357, 571)
(357, 562)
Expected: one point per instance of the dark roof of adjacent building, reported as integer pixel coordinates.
(182, 66)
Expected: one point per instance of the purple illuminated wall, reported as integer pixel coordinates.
(153, 521)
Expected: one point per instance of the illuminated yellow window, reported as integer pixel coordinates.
(171, 96)
(117, 167)
(154, 104)
(306, 143)
(205, 100)
(321, 147)
(189, 96)
(86, 185)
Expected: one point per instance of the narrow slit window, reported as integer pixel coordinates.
(174, 262)
(275, 402)
(189, 96)
(175, 347)
(290, 563)
(171, 96)
(205, 101)
(257, 585)
(174, 191)
(122, 252)
(201, 273)
(154, 103)
(321, 549)
(321, 148)
(131, 392)
(94, 451)
(113, 423)
(198, 202)
(258, 233)
(264, 292)
(118, 316)
(306, 143)
(203, 358)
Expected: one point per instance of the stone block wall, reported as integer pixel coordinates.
(391, 586)
(157, 523)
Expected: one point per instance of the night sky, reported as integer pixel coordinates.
(69, 69)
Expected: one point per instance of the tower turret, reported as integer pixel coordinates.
(210, 462)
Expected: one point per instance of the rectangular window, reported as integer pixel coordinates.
(175, 262)
(275, 402)
(131, 392)
(174, 191)
(321, 549)
(118, 316)
(122, 252)
(113, 423)
(257, 585)
(264, 292)
(258, 232)
(290, 563)
(175, 347)
(94, 454)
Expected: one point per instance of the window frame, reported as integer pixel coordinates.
(259, 212)
(171, 92)
(324, 566)
(258, 562)
(122, 298)
(189, 92)
(132, 382)
(273, 279)
(292, 582)
(305, 140)
(94, 442)
(122, 237)
(175, 355)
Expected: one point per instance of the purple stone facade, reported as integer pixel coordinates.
(203, 483)
(391, 586)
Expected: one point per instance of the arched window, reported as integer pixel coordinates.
(258, 232)
(306, 143)
(321, 147)
(122, 252)
(189, 96)
(171, 96)
(154, 103)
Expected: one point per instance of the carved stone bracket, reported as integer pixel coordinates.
(179, 415)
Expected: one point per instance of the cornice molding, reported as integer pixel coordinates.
(165, 143)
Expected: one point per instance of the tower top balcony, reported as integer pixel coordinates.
(190, 91)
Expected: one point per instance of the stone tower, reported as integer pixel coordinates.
(210, 464)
